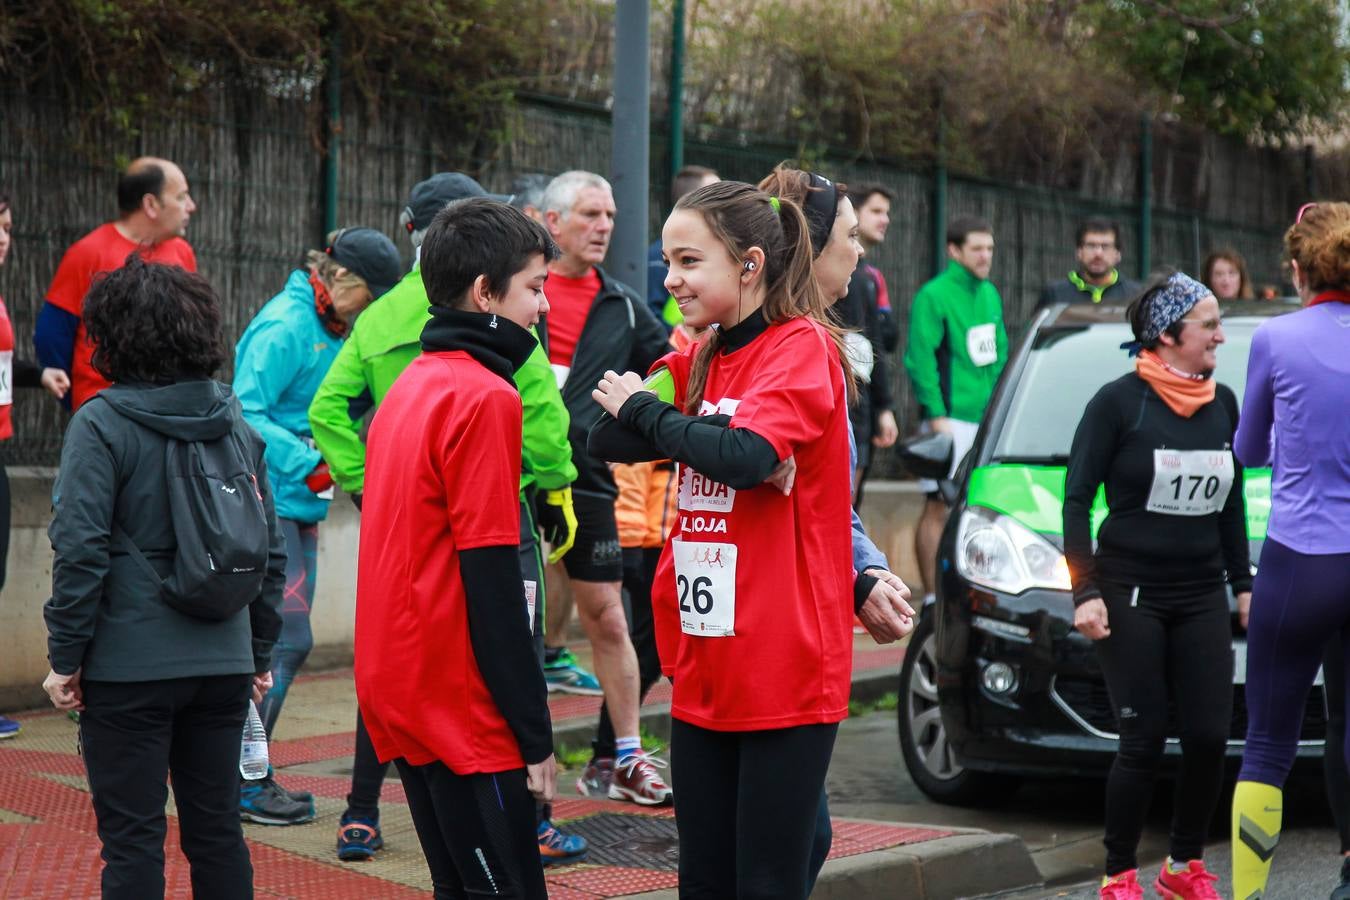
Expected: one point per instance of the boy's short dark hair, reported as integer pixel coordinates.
(1096, 225)
(689, 178)
(861, 193)
(962, 227)
(148, 179)
(153, 323)
(479, 237)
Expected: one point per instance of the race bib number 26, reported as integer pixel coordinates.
(705, 587)
(1190, 482)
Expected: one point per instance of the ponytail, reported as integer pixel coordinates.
(742, 216)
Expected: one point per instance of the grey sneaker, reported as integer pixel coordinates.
(264, 802)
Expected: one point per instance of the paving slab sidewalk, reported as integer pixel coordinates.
(49, 847)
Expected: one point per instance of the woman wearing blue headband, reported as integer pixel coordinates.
(1153, 596)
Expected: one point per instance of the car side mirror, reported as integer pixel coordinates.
(927, 456)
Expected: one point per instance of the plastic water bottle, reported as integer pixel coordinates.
(253, 748)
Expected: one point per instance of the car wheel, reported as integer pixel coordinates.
(930, 758)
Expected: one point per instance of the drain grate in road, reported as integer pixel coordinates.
(641, 842)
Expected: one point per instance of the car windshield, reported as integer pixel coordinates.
(1068, 365)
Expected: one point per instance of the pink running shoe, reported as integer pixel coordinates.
(1124, 886)
(1192, 883)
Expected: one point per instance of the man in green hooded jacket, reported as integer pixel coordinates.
(379, 348)
(957, 349)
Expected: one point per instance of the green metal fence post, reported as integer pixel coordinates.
(330, 159)
(675, 130)
(1145, 195)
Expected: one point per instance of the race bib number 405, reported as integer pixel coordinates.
(982, 345)
(1190, 482)
(705, 587)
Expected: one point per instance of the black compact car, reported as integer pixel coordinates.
(996, 683)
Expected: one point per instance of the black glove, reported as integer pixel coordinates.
(556, 519)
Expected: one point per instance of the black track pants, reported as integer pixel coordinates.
(477, 832)
(1165, 646)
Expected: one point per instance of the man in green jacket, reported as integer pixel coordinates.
(957, 349)
(374, 355)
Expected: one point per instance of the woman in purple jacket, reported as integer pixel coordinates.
(1294, 418)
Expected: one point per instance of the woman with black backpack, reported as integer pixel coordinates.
(162, 685)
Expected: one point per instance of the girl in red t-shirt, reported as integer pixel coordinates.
(14, 373)
(752, 599)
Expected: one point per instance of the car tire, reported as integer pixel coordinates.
(929, 757)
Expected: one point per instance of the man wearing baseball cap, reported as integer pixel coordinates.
(384, 341)
(278, 364)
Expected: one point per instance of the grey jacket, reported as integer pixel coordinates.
(105, 615)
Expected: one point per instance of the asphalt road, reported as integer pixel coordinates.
(1061, 821)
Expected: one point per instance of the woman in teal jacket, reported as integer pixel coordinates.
(279, 363)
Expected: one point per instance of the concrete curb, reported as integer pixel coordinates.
(963, 865)
(970, 864)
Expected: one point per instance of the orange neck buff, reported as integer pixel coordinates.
(1183, 393)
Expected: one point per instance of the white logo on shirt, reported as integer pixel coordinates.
(726, 407)
(700, 493)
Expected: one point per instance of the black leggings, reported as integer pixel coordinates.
(639, 571)
(1162, 646)
(746, 808)
(477, 832)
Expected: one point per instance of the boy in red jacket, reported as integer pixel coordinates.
(445, 669)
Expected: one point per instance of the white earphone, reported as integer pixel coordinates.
(750, 265)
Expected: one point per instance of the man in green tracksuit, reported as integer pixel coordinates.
(957, 349)
(377, 351)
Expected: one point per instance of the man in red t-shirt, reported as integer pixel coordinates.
(154, 207)
(446, 673)
(595, 324)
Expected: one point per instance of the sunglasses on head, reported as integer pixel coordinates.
(1302, 210)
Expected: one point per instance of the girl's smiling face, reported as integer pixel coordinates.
(708, 283)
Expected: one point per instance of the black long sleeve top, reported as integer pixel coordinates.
(648, 428)
(1115, 444)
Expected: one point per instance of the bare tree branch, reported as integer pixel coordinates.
(1215, 24)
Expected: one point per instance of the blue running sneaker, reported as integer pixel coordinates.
(9, 728)
(566, 674)
(358, 837)
(557, 848)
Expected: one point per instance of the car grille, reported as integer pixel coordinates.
(1089, 701)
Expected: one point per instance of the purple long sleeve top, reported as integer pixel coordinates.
(1296, 418)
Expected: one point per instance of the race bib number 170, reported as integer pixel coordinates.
(1190, 482)
(705, 587)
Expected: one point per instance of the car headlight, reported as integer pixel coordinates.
(997, 552)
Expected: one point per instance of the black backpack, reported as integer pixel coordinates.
(219, 525)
